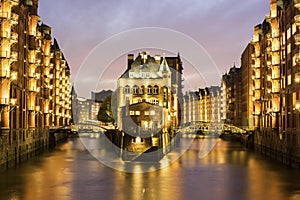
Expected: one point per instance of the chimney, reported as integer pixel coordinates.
(157, 59)
(130, 60)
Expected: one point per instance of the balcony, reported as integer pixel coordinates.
(255, 55)
(297, 58)
(4, 101)
(255, 40)
(297, 20)
(14, 37)
(4, 54)
(297, 4)
(34, 89)
(297, 77)
(4, 34)
(4, 73)
(275, 86)
(4, 15)
(14, 2)
(14, 56)
(297, 39)
(275, 76)
(14, 18)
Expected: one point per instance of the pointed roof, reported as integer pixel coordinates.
(164, 66)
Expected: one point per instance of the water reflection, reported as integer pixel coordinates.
(228, 172)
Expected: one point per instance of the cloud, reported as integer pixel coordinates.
(223, 27)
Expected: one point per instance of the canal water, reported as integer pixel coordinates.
(229, 171)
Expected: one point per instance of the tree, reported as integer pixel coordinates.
(105, 113)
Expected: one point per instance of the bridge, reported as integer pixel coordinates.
(210, 128)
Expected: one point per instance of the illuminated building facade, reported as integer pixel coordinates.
(276, 78)
(247, 88)
(34, 79)
(205, 105)
(147, 96)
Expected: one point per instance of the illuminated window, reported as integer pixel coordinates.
(149, 89)
(288, 33)
(155, 101)
(137, 112)
(142, 89)
(135, 89)
(135, 101)
(152, 112)
(146, 112)
(155, 89)
(145, 75)
(127, 89)
(289, 49)
(289, 81)
(132, 112)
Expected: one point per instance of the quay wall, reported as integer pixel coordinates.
(283, 148)
(17, 146)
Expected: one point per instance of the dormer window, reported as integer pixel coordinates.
(145, 75)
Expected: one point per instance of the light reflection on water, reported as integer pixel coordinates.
(228, 172)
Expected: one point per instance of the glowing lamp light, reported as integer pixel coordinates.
(138, 140)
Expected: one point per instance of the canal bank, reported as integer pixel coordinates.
(274, 146)
(17, 146)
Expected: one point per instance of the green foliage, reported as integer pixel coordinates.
(105, 113)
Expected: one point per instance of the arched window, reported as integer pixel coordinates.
(135, 89)
(127, 89)
(142, 89)
(155, 89)
(149, 89)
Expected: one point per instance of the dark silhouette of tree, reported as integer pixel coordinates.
(105, 113)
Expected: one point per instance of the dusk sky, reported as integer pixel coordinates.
(222, 27)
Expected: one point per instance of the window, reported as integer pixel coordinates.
(165, 93)
(289, 79)
(135, 89)
(131, 74)
(145, 75)
(149, 89)
(146, 112)
(132, 112)
(155, 89)
(127, 89)
(142, 89)
(155, 101)
(152, 112)
(137, 112)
